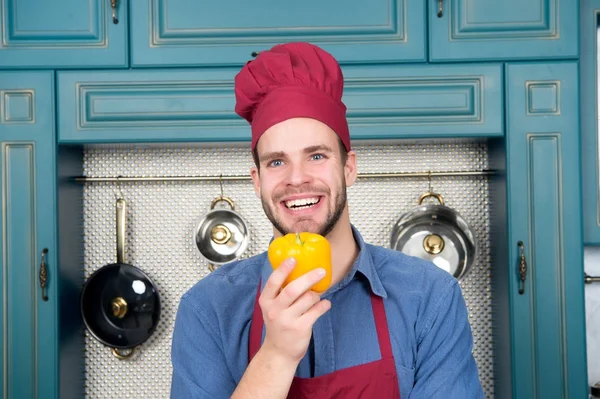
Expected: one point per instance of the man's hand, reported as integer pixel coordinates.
(290, 313)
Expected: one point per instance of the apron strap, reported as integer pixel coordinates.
(256, 327)
(383, 334)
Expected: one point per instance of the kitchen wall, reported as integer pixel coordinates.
(162, 218)
(592, 304)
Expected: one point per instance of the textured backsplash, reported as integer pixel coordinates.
(162, 217)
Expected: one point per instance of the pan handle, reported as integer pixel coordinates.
(121, 214)
(222, 199)
(123, 355)
(428, 194)
(591, 279)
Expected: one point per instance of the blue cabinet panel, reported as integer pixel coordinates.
(201, 32)
(29, 333)
(544, 211)
(384, 102)
(62, 33)
(508, 29)
(590, 150)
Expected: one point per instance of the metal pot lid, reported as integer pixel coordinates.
(120, 305)
(439, 234)
(222, 235)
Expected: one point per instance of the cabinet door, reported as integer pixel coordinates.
(468, 30)
(544, 214)
(384, 102)
(202, 32)
(62, 33)
(29, 338)
(590, 120)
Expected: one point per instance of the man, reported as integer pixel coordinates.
(390, 326)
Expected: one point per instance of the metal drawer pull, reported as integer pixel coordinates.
(522, 268)
(44, 274)
(113, 5)
(591, 279)
(440, 8)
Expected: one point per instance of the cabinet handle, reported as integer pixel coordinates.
(522, 268)
(113, 5)
(440, 8)
(591, 279)
(44, 274)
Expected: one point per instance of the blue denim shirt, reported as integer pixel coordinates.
(426, 313)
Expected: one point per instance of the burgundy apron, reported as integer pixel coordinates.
(377, 379)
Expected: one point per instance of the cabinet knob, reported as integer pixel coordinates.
(522, 268)
(44, 274)
(440, 8)
(113, 5)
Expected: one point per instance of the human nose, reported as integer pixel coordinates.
(297, 175)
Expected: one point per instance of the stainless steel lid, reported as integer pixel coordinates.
(436, 233)
(222, 234)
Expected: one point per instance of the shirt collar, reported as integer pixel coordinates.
(363, 264)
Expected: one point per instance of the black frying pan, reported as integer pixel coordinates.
(120, 304)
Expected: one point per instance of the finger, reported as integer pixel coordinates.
(317, 310)
(303, 304)
(277, 278)
(299, 286)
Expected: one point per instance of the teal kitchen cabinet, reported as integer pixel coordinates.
(590, 150)
(28, 236)
(40, 339)
(384, 102)
(63, 34)
(202, 32)
(544, 332)
(464, 30)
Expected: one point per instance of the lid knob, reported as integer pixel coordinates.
(220, 234)
(433, 244)
(119, 307)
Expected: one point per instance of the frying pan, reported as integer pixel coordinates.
(120, 304)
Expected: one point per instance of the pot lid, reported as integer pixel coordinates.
(438, 234)
(120, 305)
(222, 236)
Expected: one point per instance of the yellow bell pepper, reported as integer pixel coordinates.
(310, 250)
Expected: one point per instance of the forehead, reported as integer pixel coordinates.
(296, 134)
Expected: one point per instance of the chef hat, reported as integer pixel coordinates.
(289, 81)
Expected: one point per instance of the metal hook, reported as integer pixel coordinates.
(221, 183)
(429, 181)
(119, 188)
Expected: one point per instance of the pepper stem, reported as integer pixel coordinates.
(298, 240)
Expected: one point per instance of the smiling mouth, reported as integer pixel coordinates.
(304, 203)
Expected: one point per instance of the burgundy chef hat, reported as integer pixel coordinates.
(288, 81)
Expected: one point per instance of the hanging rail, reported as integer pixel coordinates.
(86, 179)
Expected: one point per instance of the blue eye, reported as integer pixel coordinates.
(317, 156)
(276, 162)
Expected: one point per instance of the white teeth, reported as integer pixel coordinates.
(301, 203)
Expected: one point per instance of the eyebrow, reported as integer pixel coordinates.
(306, 150)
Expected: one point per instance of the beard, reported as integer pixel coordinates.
(332, 216)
